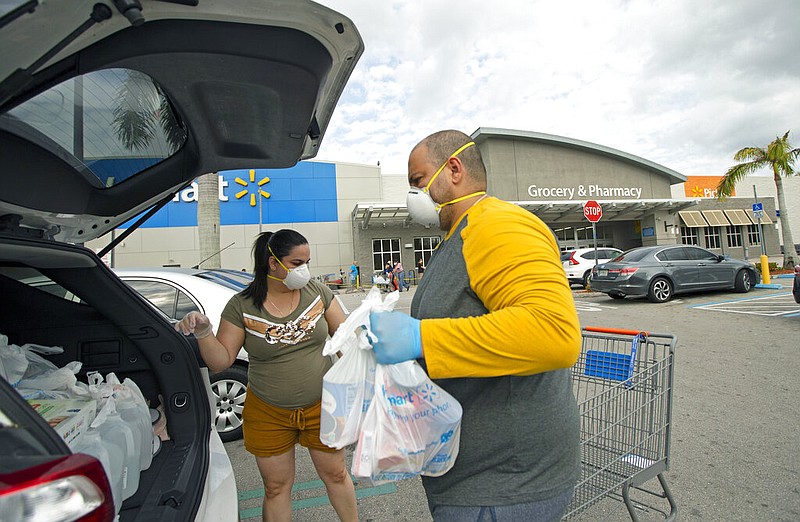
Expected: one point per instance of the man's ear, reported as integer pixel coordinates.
(457, 174)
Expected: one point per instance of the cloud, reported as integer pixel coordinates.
(679, 83)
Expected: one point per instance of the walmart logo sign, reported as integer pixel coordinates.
(305, 193)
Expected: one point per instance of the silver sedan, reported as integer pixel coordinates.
(660, 272)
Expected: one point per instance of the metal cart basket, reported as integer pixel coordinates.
(623, 385)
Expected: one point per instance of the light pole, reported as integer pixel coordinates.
(764, 258)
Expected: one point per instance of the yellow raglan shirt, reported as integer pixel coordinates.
(512, 261)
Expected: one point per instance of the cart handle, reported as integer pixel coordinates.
(620, 331)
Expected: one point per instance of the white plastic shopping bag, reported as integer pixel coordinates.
(347, 387)
(412, 427)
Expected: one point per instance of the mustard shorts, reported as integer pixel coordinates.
(269, 430)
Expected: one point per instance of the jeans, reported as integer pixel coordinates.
(549, 510)
(401, 281)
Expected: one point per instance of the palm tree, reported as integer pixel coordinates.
(779, 156)
(208, 219)
(141, 108)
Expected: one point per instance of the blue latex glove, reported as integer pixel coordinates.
(398, 337)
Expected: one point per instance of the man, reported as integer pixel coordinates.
(496, 325)
(354, 274)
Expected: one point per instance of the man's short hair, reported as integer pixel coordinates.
(441, 145)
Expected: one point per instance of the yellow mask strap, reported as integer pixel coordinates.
(453, 155)
(462, 198)
(279, 262)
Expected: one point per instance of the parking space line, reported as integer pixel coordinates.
(384, 489)
(762, 305)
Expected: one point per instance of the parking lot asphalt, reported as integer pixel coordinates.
(735, 450)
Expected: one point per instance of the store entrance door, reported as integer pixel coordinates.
(579, 235)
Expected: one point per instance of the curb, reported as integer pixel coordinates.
(773, 286)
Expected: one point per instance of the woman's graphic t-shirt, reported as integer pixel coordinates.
(286, 361)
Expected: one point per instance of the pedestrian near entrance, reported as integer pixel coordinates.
(495, 325)
(420, 268)
(354, 274)
(388, 270)
(282, 320)
(400, 274)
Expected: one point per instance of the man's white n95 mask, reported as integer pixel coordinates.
(421, 207)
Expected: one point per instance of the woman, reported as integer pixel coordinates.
(282, 319)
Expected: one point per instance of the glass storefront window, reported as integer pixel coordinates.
(753, 237)
(424, 247)
(712, 237)
(735, 236)
(689, 236)
(384, 250)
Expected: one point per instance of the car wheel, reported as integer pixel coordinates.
(230, 389)
(743, 282)
(586, 278)
(616, 296)
(660, 290)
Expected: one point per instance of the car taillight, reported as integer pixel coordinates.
(74, 487)
(572, 260)
(623, 271)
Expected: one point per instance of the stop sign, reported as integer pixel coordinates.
(593, 211)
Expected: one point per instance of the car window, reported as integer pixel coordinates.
(184, 306)
(129, 119)
(673, 254)
(36, 279)
(566, 255)
(632, 256)
(698, 254)
(589, 255)
(172, 302)
(231, 279)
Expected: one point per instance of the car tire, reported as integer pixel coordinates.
(616, 296)
(660, 290)
(586, 278)
(230, 389)
(743, 282)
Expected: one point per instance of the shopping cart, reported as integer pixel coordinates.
(623, 385)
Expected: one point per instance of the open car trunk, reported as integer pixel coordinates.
(102, 323)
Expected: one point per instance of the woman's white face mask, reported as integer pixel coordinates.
(296, 278)
(421, 207)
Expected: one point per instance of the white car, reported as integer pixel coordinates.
(178, 291)
(108, 108)
(578, 263)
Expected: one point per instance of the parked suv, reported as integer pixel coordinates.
(578, 263)
(107, 109)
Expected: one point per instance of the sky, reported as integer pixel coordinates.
(682, 83)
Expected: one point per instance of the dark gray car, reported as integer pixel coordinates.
(660, 272)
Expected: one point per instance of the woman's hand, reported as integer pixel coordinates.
(196, 324)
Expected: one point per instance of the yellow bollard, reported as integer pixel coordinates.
(765, 270)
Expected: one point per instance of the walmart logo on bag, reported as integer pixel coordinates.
(428, 392)
(397, 400)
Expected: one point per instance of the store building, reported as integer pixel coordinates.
(353, 212)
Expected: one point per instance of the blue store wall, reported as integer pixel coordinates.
(305, 193)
